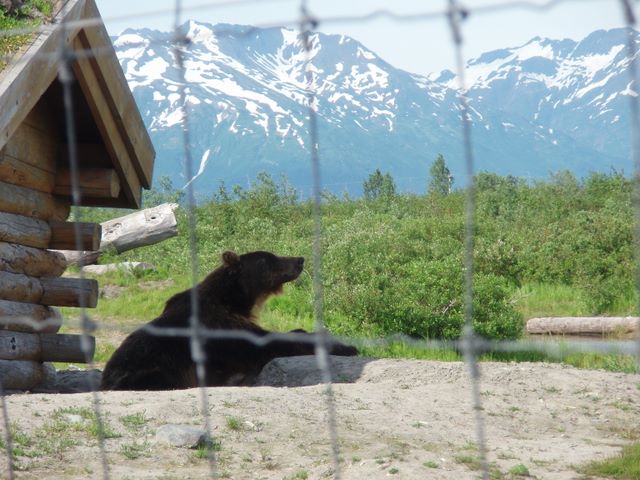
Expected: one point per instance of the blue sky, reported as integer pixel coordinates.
(420, 47)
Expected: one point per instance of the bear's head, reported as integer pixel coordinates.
(260, 274)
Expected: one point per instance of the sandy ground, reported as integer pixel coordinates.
(396, 418)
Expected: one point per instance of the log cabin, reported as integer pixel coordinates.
(114, 159)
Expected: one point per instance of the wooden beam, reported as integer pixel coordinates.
(31, 261)
(34, 144)
(59, 291)
(55, 235)
(31, 203)
(92, 182)
(63, 235)
(24, 231)
(121, 102)
(138, 229)
(25, 81)
(69, 292)
(24, 374)
(91, 85)
(17, 172)
(45, 347)
(28, 317)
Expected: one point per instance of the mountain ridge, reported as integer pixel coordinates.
(534, 108)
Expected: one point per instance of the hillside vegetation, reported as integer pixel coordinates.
(393, 263)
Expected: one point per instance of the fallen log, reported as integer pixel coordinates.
(127, 267)
(138, 229)
(583, 325)
(25, 374)
(45, 347)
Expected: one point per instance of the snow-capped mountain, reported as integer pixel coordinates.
(544, 106)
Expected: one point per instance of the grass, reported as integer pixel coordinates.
(137, 305)
(134, 450)
(625, 466)
(234, 423)
(547, 300)
(134, 421)
(21, 19)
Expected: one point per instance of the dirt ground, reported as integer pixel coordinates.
(395, 418)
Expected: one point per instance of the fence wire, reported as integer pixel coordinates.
(456, 15)
(180, 44)
(470, 344)
(65, 77)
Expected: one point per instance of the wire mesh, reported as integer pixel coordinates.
(196, 340)
(470, 344)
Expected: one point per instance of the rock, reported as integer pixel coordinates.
(72, 418)
(182, 436)
(127, 267)
(71, 381)
(304, 371)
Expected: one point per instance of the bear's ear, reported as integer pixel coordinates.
(230, 259)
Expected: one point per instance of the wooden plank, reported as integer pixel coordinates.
(121, 101)
(45, 347)
(583, 325)
(31, 203)
(58, 291)
(92, 182)
(69, 292)
(24, 374)
(91, 85)
(33, 146)
(30, 232)
(25, 81)
(29, 317)
(63, 235)
(31, 261)
(17, 172)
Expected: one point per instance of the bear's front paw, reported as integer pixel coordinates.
(343, 350)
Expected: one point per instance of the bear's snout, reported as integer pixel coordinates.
(292, 268)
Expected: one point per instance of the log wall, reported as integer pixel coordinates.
(35, 201)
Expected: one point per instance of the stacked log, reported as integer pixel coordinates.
(34, 205)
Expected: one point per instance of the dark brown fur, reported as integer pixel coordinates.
(227, 299)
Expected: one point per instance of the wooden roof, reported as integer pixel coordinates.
(110, 132)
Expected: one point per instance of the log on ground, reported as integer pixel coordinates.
(46, 347)
(583, 325)
(25, 374)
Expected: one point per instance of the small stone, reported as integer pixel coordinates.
(182, 436)
(73, 418)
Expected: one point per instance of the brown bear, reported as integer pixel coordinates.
(228, 299)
